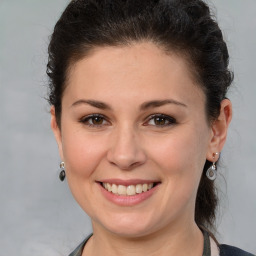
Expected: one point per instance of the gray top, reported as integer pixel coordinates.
(225, 250)
(207, 249)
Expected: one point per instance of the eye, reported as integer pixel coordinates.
(160, 120)
(94, 120)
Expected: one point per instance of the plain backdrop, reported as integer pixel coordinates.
(38, 216)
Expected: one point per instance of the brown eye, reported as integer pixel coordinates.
(160, 120)
(94, 120)
(97, 120)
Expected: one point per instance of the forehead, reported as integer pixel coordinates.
(135, 70)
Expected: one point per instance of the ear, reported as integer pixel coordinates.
(219, 130)
(56, 130)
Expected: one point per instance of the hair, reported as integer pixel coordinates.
(185, 27)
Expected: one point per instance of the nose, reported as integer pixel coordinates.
(125, 150)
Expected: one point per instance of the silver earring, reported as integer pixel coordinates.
(62, 174)
(211, 173)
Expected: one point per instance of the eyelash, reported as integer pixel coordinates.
(86, 120)
(169, 119)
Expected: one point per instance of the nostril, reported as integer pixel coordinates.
(126, 154)
(125, 166)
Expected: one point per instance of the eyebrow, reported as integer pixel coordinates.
(159, 103)
(93, 103)
(144, 106)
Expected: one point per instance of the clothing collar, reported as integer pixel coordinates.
(207, 246)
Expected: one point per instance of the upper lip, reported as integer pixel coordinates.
(128, 182)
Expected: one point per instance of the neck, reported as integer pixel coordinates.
(175, 241)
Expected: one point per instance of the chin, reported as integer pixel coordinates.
(129, 226)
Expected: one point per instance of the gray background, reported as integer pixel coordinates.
(38, 216)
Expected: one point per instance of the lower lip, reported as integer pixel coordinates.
(128, 200)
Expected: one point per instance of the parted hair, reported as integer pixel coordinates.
(185, 27)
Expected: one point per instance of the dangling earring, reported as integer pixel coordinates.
(211, 173)
(62, 174)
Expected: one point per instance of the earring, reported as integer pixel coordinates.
(211, 173)
(62, 174)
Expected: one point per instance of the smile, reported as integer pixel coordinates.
(129, 190)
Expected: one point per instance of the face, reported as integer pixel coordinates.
(134, 138)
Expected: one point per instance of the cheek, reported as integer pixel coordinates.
(180, 158)
(180, 153)
(82, 153)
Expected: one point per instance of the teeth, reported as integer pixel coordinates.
(138, 188)
(121, 190)
(130, 190)
(109, 187)
(144, 187)
(150, 185)
(113, 189)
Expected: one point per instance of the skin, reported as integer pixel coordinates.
(130, 144)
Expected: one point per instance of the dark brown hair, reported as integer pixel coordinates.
(186, 27)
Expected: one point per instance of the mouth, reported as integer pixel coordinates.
(128, 190)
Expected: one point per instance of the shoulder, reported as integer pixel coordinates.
(227, 250)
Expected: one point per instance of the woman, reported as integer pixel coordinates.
(140, 115)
